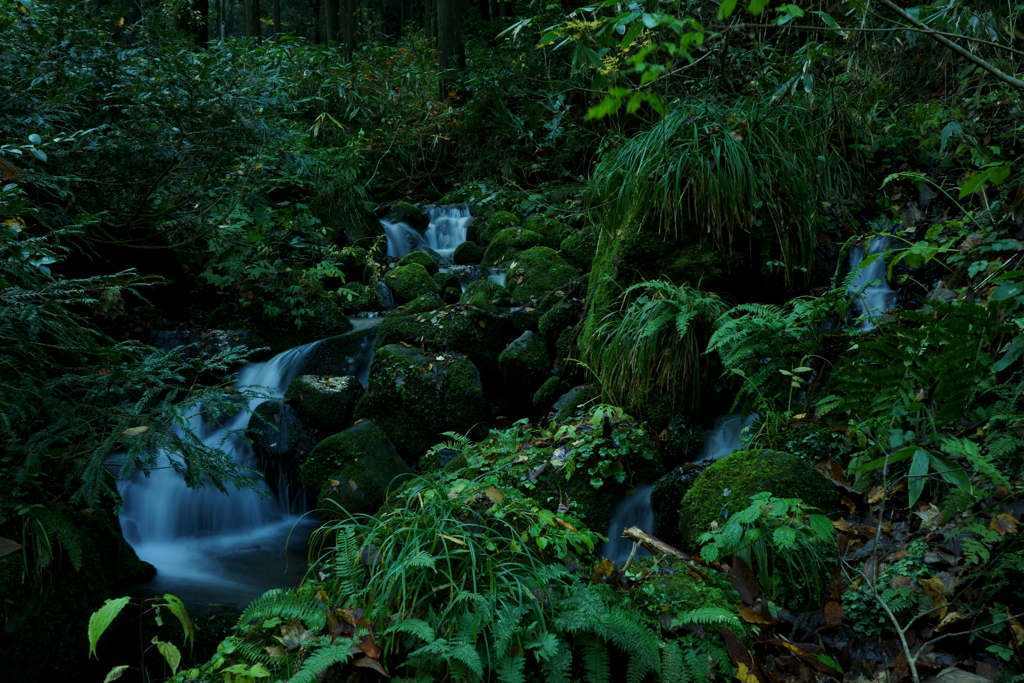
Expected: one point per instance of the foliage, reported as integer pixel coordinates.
(105, 615)
(653, 344)
(789, 547)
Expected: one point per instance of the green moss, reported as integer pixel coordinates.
(495, 223)
(536, 272)
(509, 242)
(338, 355)
(491, 290)
(411, 281)
(322, 402)
(409, 214)
(526, 318)
(564, 343)
(578, 249)
(356, 297)
(544, 397)
(446, 280)
(525, 365)
(557, 319)
(353, 470)
(551, 231)
(727, 484)
(468, 254)
(575, 401)
(421, 304)
(421, 258)
(415, 398)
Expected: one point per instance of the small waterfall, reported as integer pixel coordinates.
(872, 300)
(446, 231)
(205, 544)
(725, 437)
(633, 510)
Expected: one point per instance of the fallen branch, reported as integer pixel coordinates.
(652, 544)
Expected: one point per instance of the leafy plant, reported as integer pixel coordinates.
(105, 615)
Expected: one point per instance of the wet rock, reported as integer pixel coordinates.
(575, 401)
(547, 393)
(280, 440)
(491, 291)
(560, 317)
(551, 231)
(666, 497)
(340, 355)
(404, 212)
(385, 297)
(421, 304)
(482, 232)
(421, 258)
(324, 403)
(445, 280)
(410, 281)
(468, 254)
(681, 442)
(536, 272)
(355, 297)
(525, 365)
(578, 249)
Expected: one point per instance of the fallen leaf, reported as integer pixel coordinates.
(1016, 629)
(564, 524)
(743, 675)
(7, 546)
(949, 619)
(931, 517)
(135, 431)
(742, 578)
(834, 611)
(992, 672)
(842, 524)
(935, 589)
(875, 495)
(605, 567)
(335, 483)
(752, 616)
(371, 663)
(369, 646)
(495, 495)
(351, 485)
(954, 675)
(1004, 524)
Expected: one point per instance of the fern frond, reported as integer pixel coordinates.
(707, 616)
(322, 659)
(287, 605)
(595, 661)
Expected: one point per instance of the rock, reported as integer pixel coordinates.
(525, 365)
(355, 297)
(280, 440)
(352, 471)
(422, 258)
(385, 297)
(451, 295)
(339, 355)
(666, 496)
(326, 320)
(726, 485)
(575, 401)
(551, 231)
(681, 443)
(445, 280)
(324, 403)
(491, 291)
(560, 317)
(548, 392)
(536, 272)
(415, 398)
(356, 264)
(526, 318)
(509, 242)
(578, 249)
(483, 232)
(410, 281)
(421, 304)
(438, 260)
(468, 254)
(404, 212)
(565, 343)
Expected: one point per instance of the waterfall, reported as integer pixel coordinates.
(446, 230)
(633, 510)
(872, 300)
(205, 544)
(725, 437)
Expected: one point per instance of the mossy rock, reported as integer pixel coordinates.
(525, 365)
(728, 483)
(565, 343)
(411, 281)
(536, 272)
(323, 402)
(422, 258)
(421, 304)
(280, 439)
(509, 242)
(356, 297)
(410, 214)
(526, 318)
(666, 495)
(339, 355)
(356, 264)
(415, 398)
(445, 280)
(557, 319)
(468, 254)
(484, 232)
(578, 249)
(451, 295)
(467, 330)
(353, 469)
(544, 397)
(681, 441)
(492, 291)
(550, 230)
(575, 401)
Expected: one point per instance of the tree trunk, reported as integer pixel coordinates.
(251, 18)
(507, 9)
(348, 26)
(330, 21)
(277, 18)
(492, 9)
(449, 39)
(429, 14)
(317, 26)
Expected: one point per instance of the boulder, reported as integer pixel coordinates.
(415, 398)
(557, 319)
(355, 297)
(340, 355)
(280, 440)
(445, 280)
(551, 231)
(726, 485)
(422, 258)
(666, 495)
(410, 281)
(385, 297)
(451, 295)
(352, 471)
(681, 442)
(468, 254)
(491, 291)
(548, 393)
(525, 365)
(482, 232)
(509, 242)
(578, 249)
(536, 272)
(404, 212)
(421, 304)
(575, 401)
(323, 402)
(438, 260)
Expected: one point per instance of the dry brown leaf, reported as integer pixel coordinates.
(931, 517)
(605, 567)
(1016, 630)
(495, 495)
(1004, 524)
(752, 616)
(351, 485)
(842, 524)
(7, 546)
(564, 524)
(369, 646)
(335, 483)
(135, 431)
(371, 663)
(834, 611)
(875, 495)
(949, 619)
(743, 675)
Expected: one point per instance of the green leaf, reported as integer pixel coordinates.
(170, 653)
(115, 673)
(1007, 291)
(726, 9)
(757, 6)
(38, 153)
(631, 35)
(609, 105)
(918, 474)
(101, 619)
(951, 472)
(35, 139)
(879, 463)
(993, 174)
(178, 609)
(1013, 351)
(784, 537)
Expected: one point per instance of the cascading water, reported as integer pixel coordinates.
(446, 231)
(872, 300)
(214, 547)
(633, 510)
(725, 437)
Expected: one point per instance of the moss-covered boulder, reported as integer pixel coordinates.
(356, 297)
(445, 280)
(474, 332)
(404, 212)
(525, 365)
(509, 242)
(353, 470)
(575, 401)
(578, 249)
(323, 402)
(681, 441)
(558, 318)
(421, 304)
(525, 318)
(422, 258)
(340, 355)
(415, 398)
(548, 393)
(411, 281)
(727, 484)
(482, 232)
(551, 231)
(492, 291)
(536, 272)
(280, 439)
(468, 254)
(451, 295)
(666, 495)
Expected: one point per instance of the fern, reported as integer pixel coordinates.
(510, 669)
(595, 661)
(673, 668)
(321, 659)
(706, 616)
(285, 604)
